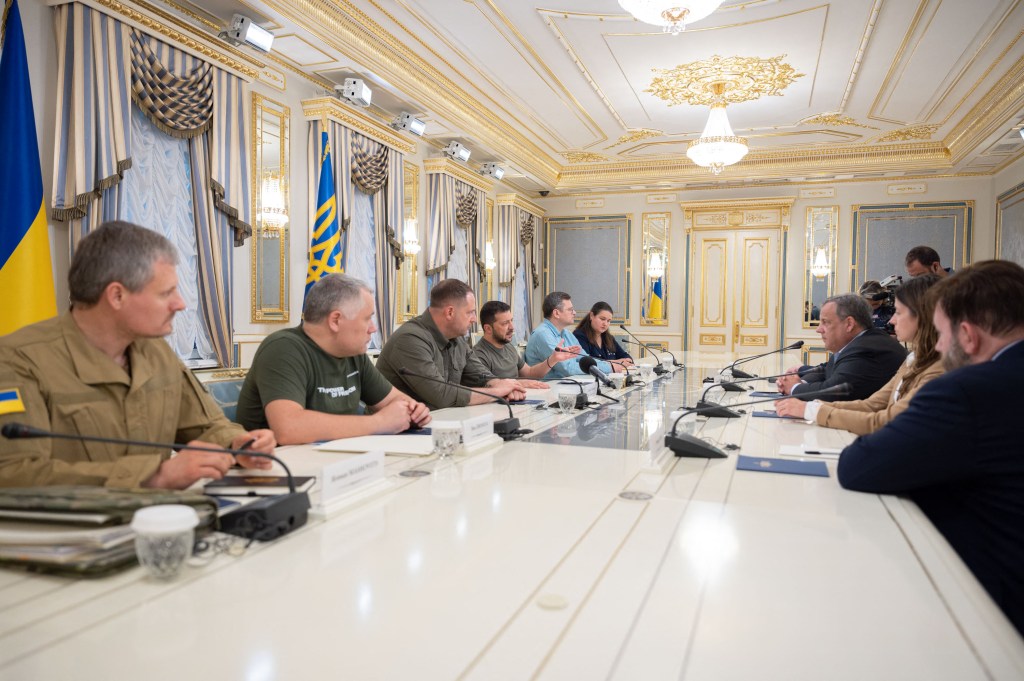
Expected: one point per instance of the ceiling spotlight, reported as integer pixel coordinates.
(355, 92)
(409, 123)
(492, 170)
(457, 151)
(1021, 131)
(243, 30)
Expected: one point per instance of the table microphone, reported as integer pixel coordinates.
(743, 374)
(734, 386)
(589, 364)
(651, 348)
(507, 429)
(265, 519)
(684, 444)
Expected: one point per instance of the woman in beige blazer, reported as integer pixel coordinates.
(913, 322)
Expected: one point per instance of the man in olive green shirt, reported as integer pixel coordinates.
(306, 382)
(103, 369)
(434, 345)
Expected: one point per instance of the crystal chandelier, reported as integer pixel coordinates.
(671, 15)
(820, 267)
(273, 214)
(410, 242)
(717, 146)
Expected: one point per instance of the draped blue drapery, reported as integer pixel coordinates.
(102, 66)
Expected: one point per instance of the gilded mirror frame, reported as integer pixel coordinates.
(656, 241)
(819, 242)
(407, 290)
(271, 207)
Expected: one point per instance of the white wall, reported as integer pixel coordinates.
(847, 194)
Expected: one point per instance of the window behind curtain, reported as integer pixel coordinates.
(157, 193)
(520, 314)
(361, 259)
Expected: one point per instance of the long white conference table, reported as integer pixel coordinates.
(581, 552)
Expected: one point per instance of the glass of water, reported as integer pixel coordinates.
(567, 399)
(445, 438)
(646, 372)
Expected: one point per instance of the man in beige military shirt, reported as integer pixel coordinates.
(104, 369)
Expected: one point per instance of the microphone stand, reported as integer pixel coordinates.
(658, 369)
(734, 386)
(686, 445)
(507, 429)
(675, 362)
(739, 373)
(264, 520)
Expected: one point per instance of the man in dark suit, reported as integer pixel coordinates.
(863, 356)
(957, 449)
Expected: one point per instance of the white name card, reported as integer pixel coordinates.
(343, 476)
(477, 428)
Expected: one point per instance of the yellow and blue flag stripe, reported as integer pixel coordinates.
(10, 401)
(26, 273)
(654, 307)
(325, 254)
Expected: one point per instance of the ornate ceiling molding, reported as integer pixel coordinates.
(1004, 100)
(636, 135)
(458, 171)
(758, 165)
(739, 79)
(834, 119)
(341, 24)
(584, 157)
(520, 201)
(335, 110)
(913, 132)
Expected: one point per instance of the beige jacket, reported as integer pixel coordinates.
(866, 416)
(65, 384)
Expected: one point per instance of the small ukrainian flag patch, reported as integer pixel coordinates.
(10, 401)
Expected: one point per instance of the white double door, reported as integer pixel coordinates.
(734, 291)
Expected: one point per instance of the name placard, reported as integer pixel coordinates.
(344, 476)
(477, 428)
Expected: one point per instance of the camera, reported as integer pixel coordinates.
(881, 296)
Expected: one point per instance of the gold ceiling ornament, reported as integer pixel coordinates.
(741, 79)
(584, 157)
(913, 132)
(835, 119)
(635, 135)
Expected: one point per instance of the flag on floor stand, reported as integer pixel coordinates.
(325, 247)
(26, 273)
(654, 309)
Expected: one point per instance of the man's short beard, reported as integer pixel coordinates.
(955, 357)
(502, 341)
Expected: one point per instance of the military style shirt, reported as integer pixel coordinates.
(65, 384)
(503, 362)
(419, 346)
(289, 365)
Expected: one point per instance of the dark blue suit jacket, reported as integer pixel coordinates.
(866, 363)
(599, 351)
(957, 451)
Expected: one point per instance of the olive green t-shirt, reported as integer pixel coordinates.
(503, 362)
(289, 366)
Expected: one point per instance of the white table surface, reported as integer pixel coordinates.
(524, 562)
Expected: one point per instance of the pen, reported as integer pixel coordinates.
(248, 444)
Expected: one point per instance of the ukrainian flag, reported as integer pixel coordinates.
(26, 274)
(654, 308)
(325, 247)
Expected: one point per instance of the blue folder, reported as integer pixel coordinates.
(789, 466)
(766, 414)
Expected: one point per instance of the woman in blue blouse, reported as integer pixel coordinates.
(594, 337)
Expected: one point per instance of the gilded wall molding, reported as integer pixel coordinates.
(338, 111)
(158, 22)
(520, 201)
(458, 171)
(352, 32)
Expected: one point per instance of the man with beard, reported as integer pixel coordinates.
(497, 352)
(956, 449)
